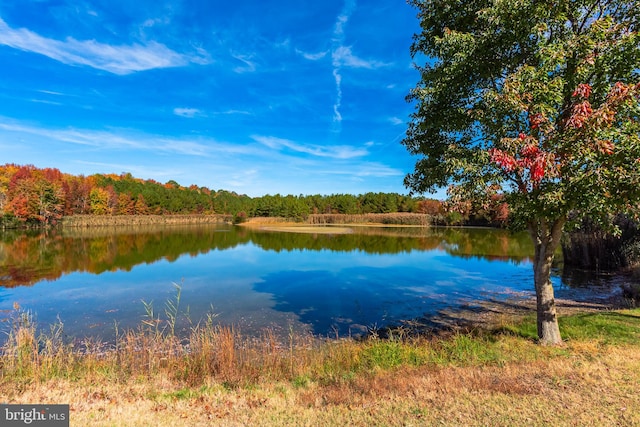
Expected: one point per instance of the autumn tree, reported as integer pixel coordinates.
(77, 190)
(99, 201)
(141, 207)
(36, 194)
(538, 100)
(431, 207)
(6, 173)
(126, 205)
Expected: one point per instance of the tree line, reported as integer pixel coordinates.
(41, 196)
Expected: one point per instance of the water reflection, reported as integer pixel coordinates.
(324, 283)
(29, 257)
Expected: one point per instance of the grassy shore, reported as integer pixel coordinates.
(215, 376)
(337, 223)
(398, 219)
(84, 221)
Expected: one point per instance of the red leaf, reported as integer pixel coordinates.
(530, 151)
(583, 90)
(536, 120)
(581, 112)
(504, 160)
(606, 147)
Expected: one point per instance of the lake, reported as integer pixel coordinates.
(326, 284)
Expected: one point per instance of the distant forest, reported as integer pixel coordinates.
(30, 195)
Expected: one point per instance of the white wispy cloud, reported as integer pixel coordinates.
(344, 57)
(396, 120)
(242, 179)
(232, 112)
(51, 92)
(153, 22)
(187, 112)
(377, 170)
(121, 139)
(185, 147)
(338, 40)
(333, 151)
(367, 169)
(121, 60)
(159, 174)
(312, 56)
(248, 65)
(74, 136)
(45, 101)
(337, 117)
(343, 18)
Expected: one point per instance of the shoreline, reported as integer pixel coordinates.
(491, 314)
(87, 221)
(389, 220)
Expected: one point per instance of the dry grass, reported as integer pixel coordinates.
(282, 224)
(217, 377)
(387, 219)
(268, 220)
(395, 218)
(585, 388)
(84, 221)
(331, 223)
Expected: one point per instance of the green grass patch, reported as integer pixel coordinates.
(301, 381)
(187, 393)
(466, 349)
(463, 349)
(613, 327)
(608, 327)
(526, 328)
(390, 354)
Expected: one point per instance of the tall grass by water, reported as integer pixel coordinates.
(395, 218)
(151, 375)
(83, 221)
(220, 352)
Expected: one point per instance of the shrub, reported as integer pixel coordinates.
(240, 217)
(591, 248)
(631, 293)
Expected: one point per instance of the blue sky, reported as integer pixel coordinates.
(257, 97)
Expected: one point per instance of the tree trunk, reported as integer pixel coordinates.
(546, 238)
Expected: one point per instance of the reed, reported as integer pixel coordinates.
(84, 221)
(396, 218)
(213, 352)
(594, 249)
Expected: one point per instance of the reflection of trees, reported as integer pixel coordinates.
(32, 256)
(369, 243)
(491, 244)
(488, 244)
(29, 257)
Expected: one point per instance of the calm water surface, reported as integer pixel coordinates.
(327, 284)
